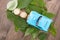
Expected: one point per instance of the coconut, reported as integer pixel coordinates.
(17, 11)
(23, 14)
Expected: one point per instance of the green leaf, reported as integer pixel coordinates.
(27, 10)
(23, 3)
(40, 3)
(35, 34)
(32, 38)
(49, 15)
(18, 22)
(29, 31)
(32, 31)
(35, 8)
(52, 30)
(42, 36)
(12, 5)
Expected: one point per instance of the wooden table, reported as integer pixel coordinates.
(7, 27)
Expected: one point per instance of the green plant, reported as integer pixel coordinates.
(20, 24)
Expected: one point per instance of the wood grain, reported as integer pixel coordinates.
(7, 31)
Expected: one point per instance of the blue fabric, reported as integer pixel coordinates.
(43, 23)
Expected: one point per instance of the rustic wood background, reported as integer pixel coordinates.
(7, 31)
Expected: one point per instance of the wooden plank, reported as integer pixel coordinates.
(7, 27)
(54, 6)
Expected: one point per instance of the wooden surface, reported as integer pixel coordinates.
(7, 31)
